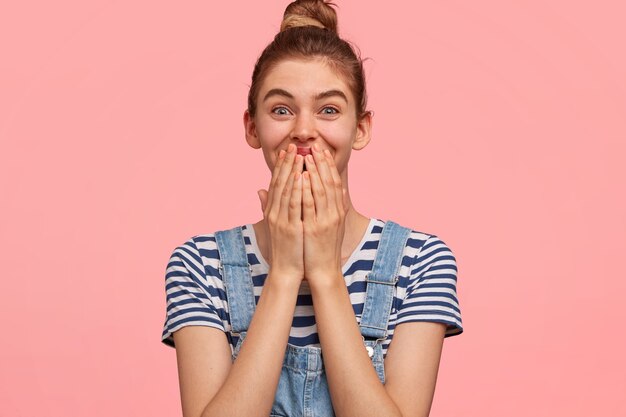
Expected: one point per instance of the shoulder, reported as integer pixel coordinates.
(197, 255)
(419, 243)
(192, 249)
(202, 245)
(425, 255)
(202, 251)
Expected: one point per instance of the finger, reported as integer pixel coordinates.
(295, 205)
(279, 162)
(317, 189)
(286, 194)
(282, 177)
(326, 178)
(334, 173)
(263, 198)
(308, 204)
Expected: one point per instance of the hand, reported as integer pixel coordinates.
(324, 212)
(282, 206)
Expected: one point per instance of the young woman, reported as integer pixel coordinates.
(294, 315)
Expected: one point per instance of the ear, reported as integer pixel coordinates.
(250, 129)
(363, 131)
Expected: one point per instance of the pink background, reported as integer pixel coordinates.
(499, 126)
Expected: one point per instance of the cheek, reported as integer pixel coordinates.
(338, 135)
(271, 129)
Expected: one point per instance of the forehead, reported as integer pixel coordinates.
(305, 78)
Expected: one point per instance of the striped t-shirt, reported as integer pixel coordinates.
(425, 290)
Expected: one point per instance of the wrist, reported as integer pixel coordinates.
(284, 278)
(326, 280)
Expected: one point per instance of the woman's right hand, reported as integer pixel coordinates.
(282, 211)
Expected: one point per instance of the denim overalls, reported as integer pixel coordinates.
(303, 388)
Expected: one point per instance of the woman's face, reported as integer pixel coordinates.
(306, 102)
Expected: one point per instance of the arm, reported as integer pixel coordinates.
(354, 386)
(411, 364)
(246, 387)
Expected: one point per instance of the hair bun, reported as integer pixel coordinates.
(310, 13)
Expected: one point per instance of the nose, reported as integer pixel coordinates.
(304, 128)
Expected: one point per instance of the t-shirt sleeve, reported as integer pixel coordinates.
(431, 290)
(187, 293)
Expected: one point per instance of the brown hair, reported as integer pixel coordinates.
(309, 30)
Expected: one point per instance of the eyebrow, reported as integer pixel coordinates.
(324, 94)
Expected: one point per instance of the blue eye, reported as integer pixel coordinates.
(334, 110)
(283, 112)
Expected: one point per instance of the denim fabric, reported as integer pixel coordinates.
(303, 388)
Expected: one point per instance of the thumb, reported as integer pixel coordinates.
(263, 197)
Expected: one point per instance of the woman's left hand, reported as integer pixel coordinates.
(324, 211)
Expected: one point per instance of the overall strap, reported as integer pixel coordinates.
(237, 277)
(382, 280)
